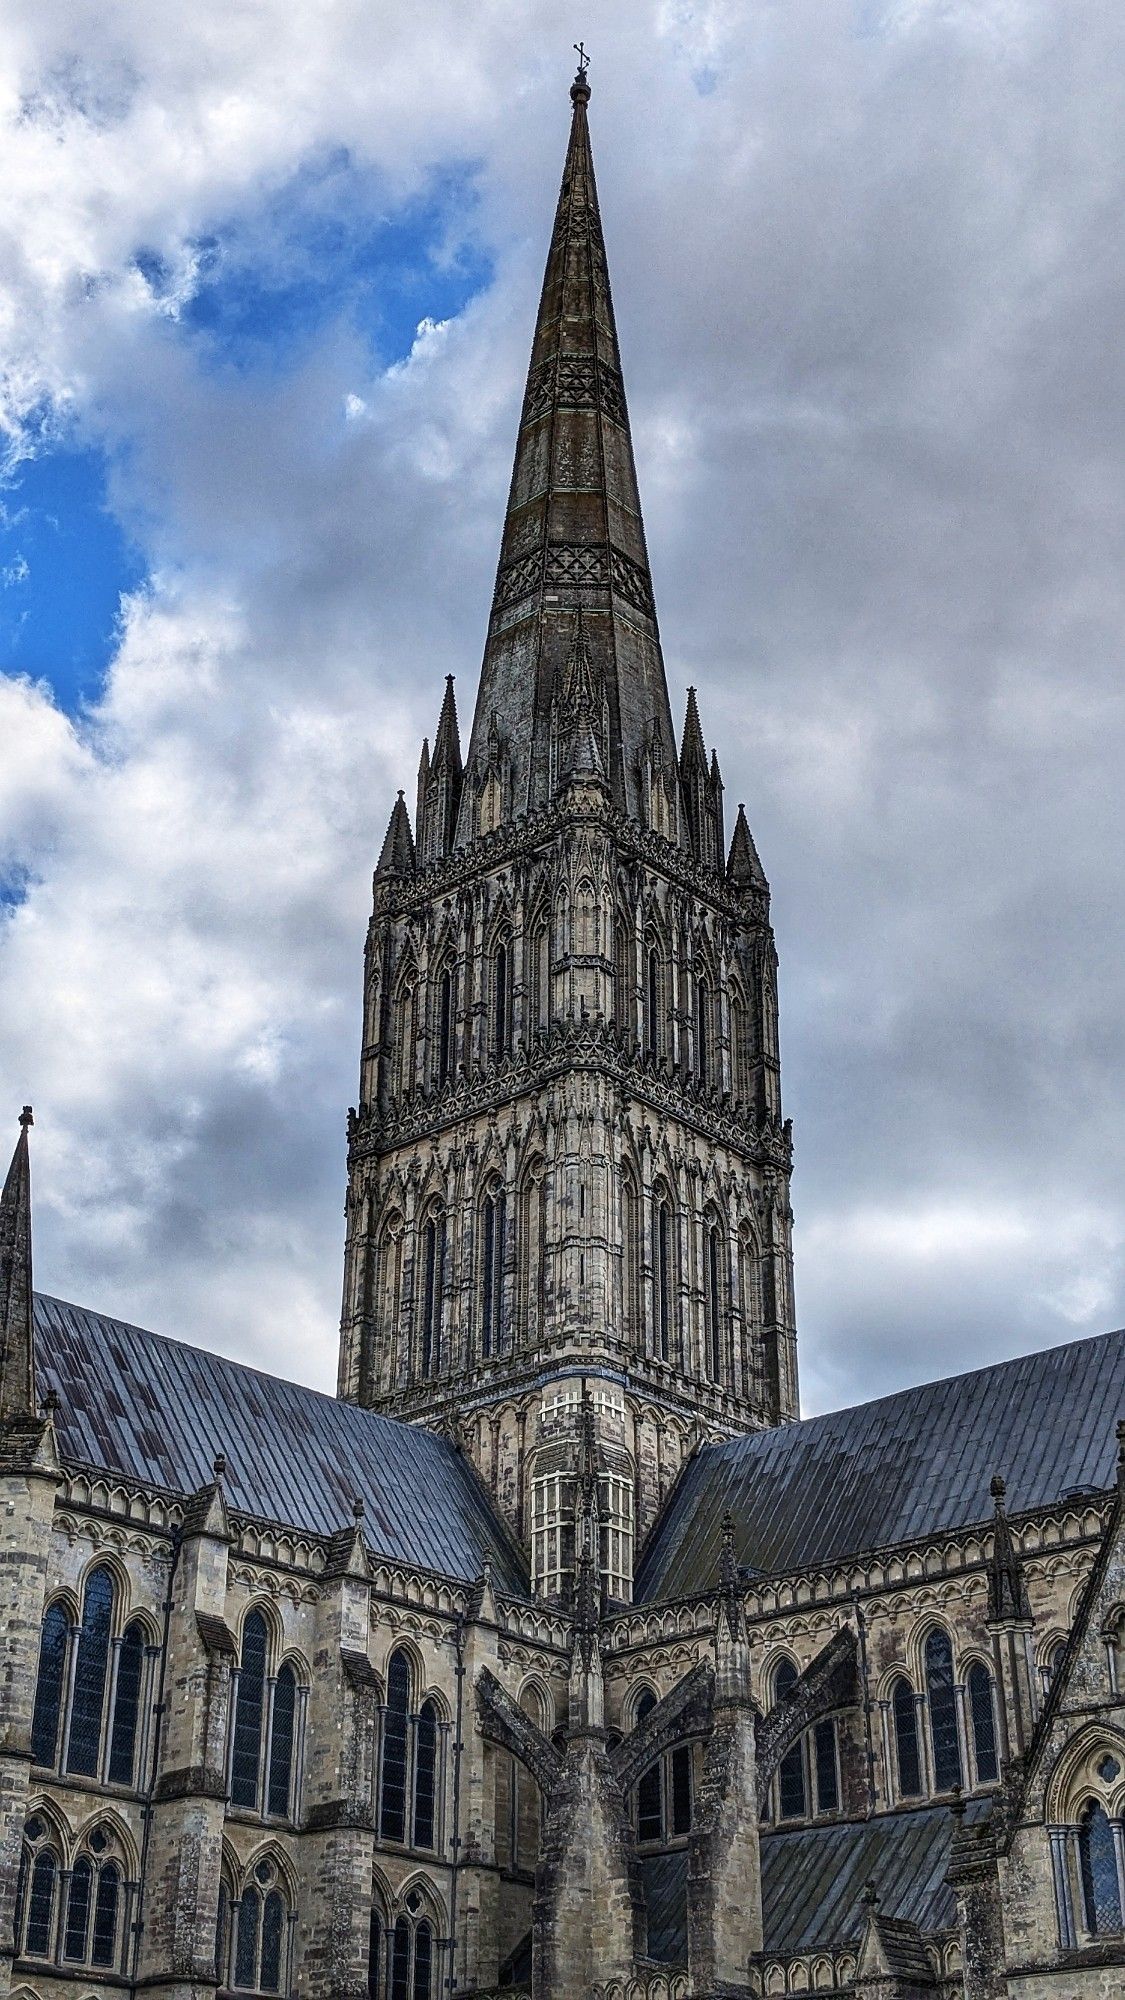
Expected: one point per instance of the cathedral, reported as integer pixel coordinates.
(556, 1655)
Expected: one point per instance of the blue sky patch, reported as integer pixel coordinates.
(327, 248)
(64, 562)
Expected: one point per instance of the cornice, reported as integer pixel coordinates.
(394, 896)
(566, 1049)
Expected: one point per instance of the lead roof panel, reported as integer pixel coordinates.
(157, 1411)
(895, 1470)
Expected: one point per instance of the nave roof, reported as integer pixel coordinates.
(897, 1470)
(157, 1411)
(813, 1879)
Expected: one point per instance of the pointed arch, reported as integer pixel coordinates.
(492, 1237)
(631, 1262)
(716, 1297)
(532, 1247)
(941, 1702)
(665, 1270)
(101, 1597)
(404, 1006)
(430, 1284)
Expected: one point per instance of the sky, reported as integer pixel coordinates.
(267, 285)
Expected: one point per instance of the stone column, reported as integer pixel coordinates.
(179, 1892)
(724, 1889)
(332, 1938)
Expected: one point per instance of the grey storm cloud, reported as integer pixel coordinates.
(869, 291)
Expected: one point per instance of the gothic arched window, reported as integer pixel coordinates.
(425, 1775)
(942, 1696)
(88, 1698)
(493, 1216)
(664, 1257)
(49, 1686)
(739, 1047)
(904, 1711)
(983, 1718)
(586, 941)
(127, 1705)
(396, 1738)
(446, 1027)
(792, 1799)
(631, 1257)
(1097, 1866)
(412, 1959)
(539, 971)
(623, 999)
(432, 1282)
(38, 1910)
(654, 999)
(702, 1025)
(714, 1300)
(501, 1000)
(283, 1744)
(260, 1934)
(375, 1954)
(90, 1935)
(533, 1246)
(406, 1019)
(249, 1713)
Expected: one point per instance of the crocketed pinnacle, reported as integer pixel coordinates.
(744, 870)
(573, 536)
(397, 855)
(17, 1336)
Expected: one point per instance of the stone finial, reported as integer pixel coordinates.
(50, 1404)
(998, 1488)
(870, 1897)
(27, 1117)
(219, 1465)
(358, 1509)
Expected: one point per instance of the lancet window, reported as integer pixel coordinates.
(1098, 1873)
(632, 1312)
(807, 1782)
(409, 1762)
(664, 1273)
(431, 1293)
(714, 1297)
(982, 1719)
(402, 1957)
(493, 1217)
(253, 1948)
(533, 1246)
(904, 1718)
(89, 1691)
(445, 1026)
(663, 1798)
(75, 1916)
(406, 1028)
(267, 1727)
(502, 998)
(941, 1697)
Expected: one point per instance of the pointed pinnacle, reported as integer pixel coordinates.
(744, 870)
(396, 857)
(447, 741)
(693, 750)
(17, 1332)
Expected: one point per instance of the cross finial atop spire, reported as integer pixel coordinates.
(27, 1116)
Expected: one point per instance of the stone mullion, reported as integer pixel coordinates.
(1064, 1905)
(110, 1706)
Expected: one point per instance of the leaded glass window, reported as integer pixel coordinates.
(78, 1911)
(905, 1713)
(392, 1806)
(983, 1720)
(1101, 1895)
(943, 1711)
(792, 1802)
(126, 1705)
(49, 1687)
(249, 1714)
(825, 1767)
(282, 1739)
(425, 1775)
(88, 1702)
(38, 1939)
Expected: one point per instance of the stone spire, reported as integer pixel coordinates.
(744, 870)
(17, 1338)
(439, 783)
(397, 854)
(573, 536)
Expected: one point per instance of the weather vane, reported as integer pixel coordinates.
(583, 59)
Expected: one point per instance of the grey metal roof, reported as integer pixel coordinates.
(156, 1410)
(891, 1471)
(813, 1878)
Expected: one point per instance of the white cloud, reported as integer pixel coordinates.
(869, 299)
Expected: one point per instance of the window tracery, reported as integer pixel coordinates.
(409, 1761)
(89, 1688)
(267, 1727)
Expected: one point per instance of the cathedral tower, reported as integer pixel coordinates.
(568, 1197)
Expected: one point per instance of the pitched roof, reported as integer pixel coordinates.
(155, 1410)
(813, 1879)
(906, 1466)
